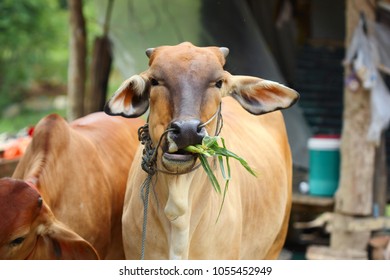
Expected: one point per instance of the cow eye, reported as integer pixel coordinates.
(17, 241)
(153, 82)
(219, 84)
(40, 201)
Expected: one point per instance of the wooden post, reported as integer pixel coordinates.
(380, 181)
(355, 193)
(77, 60)
(95, 97)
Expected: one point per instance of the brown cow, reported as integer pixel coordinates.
(67, 191)
(29, 229)
(184, 88)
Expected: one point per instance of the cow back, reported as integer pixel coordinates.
(80, 170)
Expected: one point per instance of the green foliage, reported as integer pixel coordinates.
(33, 45)
(25, 119)
(34, 36)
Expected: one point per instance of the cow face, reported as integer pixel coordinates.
(29, 230)
(183, 88)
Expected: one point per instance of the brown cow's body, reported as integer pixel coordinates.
(185, 86)
(254, 217)
(80, 170)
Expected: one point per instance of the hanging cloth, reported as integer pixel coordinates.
(367, 54)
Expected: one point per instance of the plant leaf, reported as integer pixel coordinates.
(210, 173)
(209, 141)
(223, 199)
(209, 148)
(227, 153)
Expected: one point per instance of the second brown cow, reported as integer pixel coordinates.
(66, 196)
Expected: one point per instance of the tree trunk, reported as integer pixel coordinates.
(77, 60)
(99, 75)
(100, 67)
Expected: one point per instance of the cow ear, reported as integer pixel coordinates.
(259, 96)
(131, 100)
(60, 243)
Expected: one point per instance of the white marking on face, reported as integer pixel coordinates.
(172, 146)
(41, 229)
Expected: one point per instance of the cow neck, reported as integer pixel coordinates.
(33, 182)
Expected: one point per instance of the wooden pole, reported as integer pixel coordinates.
(380, 179)
(363, 178)
(356, 187)
(354, 195)
(95, 97)
(77, 60)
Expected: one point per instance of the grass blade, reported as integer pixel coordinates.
(227, 153)
(223, 199)
(210, 174)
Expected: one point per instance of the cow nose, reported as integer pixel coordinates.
(186, 132)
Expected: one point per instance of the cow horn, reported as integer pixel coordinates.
(224, 51)
(149, 52)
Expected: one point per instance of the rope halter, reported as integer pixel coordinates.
(149, 154)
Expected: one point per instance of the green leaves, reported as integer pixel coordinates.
(211, 148)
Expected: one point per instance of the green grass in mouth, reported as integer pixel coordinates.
(210, 147)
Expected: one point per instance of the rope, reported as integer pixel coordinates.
(149, 165)
(145, 198)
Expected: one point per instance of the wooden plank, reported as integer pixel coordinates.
(338, 222)
(326, 253)
(380, 179)
(310, 200)
(364, 224)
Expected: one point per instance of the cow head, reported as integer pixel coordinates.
(29, 230)
(183, 88)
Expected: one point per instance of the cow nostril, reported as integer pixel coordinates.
(175, 127)
(187, 132)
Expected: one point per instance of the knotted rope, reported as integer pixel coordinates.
(149, 165)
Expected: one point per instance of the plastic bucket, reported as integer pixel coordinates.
(324, 165)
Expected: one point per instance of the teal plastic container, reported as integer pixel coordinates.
(324, 165)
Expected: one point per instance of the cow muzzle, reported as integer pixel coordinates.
(182, 134)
